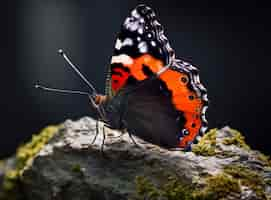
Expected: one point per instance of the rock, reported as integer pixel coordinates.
(69, 166)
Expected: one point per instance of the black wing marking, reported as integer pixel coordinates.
(150, 115)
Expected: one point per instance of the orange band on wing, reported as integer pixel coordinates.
(183, 99)
(136, 70)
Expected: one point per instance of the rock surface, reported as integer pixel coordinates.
(70, 167)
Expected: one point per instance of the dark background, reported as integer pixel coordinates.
(229, 43)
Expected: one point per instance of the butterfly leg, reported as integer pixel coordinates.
(132, 138)
(97, 132)
(102, 147)
(125, 130)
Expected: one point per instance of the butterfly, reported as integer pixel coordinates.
(149, 92)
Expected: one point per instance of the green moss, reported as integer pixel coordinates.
(173, 189)
(265, 159)
(248, 178)
(24, 156)
(145, 189)
(206, 146)
(10, 179)
(237, 139)
(26, 152)
(217, 187)
(77, 169)
(268, 181)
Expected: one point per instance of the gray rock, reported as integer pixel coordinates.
(70, 167)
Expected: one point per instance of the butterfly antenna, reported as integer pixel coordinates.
(61, 91)
(62, 53)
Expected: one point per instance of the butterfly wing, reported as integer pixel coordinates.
(189, 97)
(169, 112)
(140, 42)
(164, 110)
(148, 113)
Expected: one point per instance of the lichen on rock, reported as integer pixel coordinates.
(206, 146)
(236, 139)
(247, 177)
(173, 189)
(23, 158)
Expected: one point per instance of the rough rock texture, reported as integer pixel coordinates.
(221, 166)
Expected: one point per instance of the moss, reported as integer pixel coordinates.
(173, 189)
(26, 152)
(217, 187)
(268, 181)
(248, 178)
(206, 146)
(77, 169)
(10, 180)
(265, 159)
(237, 139)
(24, 156)
(145, 189)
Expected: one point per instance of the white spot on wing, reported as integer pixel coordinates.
(135, 22)
(153, 43)
(205, 98)
(133, 26)
(203, 129)
(118, 44)
(203, 117)
(126, 42)
(142, 46)
(140, 30)
(204, 109)
(135, 14)
(122, 58)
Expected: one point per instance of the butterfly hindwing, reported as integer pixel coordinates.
(149, 114)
